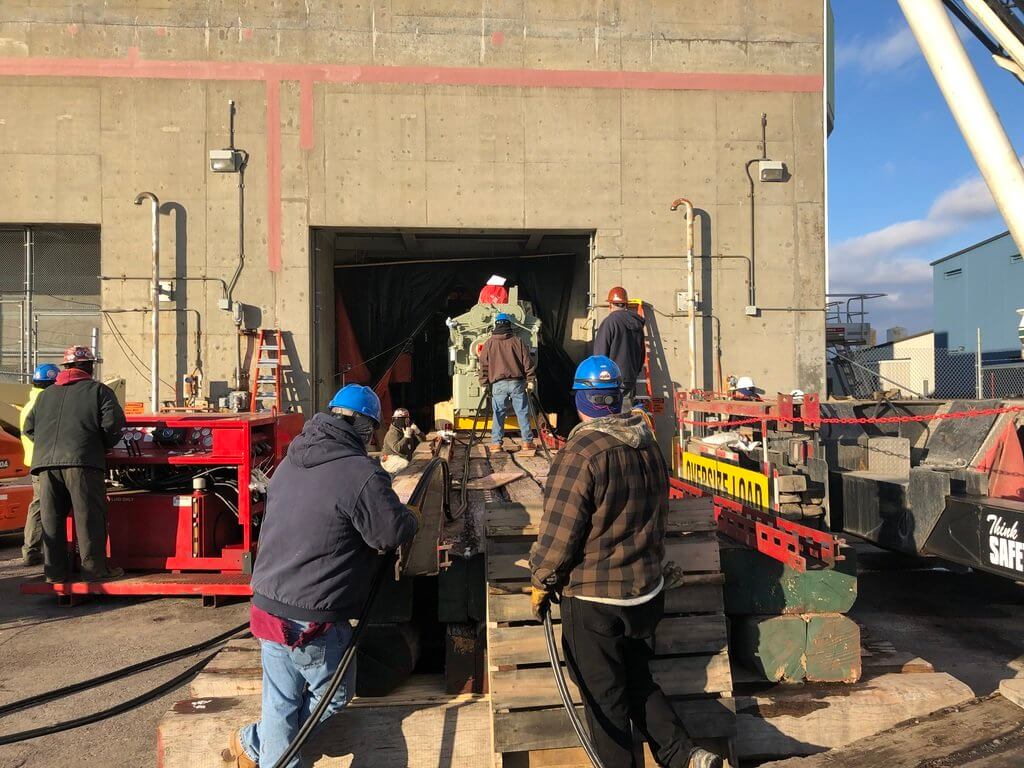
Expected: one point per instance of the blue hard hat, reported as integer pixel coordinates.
(502, 317)
(44, 373)
(597, 372)
(359, 399)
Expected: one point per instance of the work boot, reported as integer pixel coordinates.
(242, 760)
(701, 758)
(110, 573)
(496, 448)
(28, 559)
(56, 580)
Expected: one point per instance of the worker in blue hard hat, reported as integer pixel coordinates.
(600, 546)
(43, 376)
(330, 510)
(507, 369)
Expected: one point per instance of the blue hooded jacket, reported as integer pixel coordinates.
(330, 508)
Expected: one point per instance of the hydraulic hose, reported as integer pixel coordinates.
(142, 666)
(117, 709)
(563, 692)
(339, 674)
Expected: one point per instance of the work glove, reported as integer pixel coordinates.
(531, 385)
(408, 432)
(672, 575)
(540, 602)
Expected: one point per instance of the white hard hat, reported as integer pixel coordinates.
(744, 382)
(496, 280)
(400, 413)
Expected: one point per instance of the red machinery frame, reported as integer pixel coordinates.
(788, 542)
(141, 523)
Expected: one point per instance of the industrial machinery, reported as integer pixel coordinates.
(15, 484)
(467, 333)
(186, 497)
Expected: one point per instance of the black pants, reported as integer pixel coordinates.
(608, 650)
(84, 492)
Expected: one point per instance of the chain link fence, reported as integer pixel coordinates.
(49, 294)
(924, 371)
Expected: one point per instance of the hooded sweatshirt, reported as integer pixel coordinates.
(505, 356)
(330, 508)
(621, 337)
(603, 528)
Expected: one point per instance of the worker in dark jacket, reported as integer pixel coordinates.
(621, 337)
(507, 369)
(400, 442)
(601, 546)
(330, 510)
(72, 426)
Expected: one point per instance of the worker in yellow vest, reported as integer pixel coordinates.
(32, 551)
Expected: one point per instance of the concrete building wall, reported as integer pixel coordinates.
(505, 114)
(980, 287)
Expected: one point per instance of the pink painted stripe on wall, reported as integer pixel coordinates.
(134, 66)
(274, 175)
(306, 113)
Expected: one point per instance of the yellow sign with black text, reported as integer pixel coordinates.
(743, 485)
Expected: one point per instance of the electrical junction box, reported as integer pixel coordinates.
(166, 291)
(683, 301)
(751, 311)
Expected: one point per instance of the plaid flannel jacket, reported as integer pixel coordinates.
(605, 503)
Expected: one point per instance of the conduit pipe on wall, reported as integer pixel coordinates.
(691, 299)
(154, 366)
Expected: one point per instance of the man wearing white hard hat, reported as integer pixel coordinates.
(400, 442)
(495, 292)
(745, 389)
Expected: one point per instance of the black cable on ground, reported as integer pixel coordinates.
(142, 666)
(117, 709)
(563, 692)
(339, 674)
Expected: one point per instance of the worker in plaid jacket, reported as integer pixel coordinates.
(600, 547)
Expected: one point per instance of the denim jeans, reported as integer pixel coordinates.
(501, 392)
(294, 680)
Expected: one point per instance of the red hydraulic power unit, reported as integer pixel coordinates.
(185, 499)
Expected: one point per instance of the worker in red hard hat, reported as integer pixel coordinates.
(400, 442)
(72, 426)
(621, 337)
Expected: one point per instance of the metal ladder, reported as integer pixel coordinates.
(646, 394)
(266, 371)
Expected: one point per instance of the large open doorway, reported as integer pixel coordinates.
(383, 296)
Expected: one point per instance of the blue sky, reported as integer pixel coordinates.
(903, 187)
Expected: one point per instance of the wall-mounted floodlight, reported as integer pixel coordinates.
(229, 160)
(226, 160)
(771, 170)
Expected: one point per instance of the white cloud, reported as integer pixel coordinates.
(890, 260)
(881, 54)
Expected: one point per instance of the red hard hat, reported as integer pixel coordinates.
(78, 354)
(618, 295)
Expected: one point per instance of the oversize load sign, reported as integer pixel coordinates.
(744, 485)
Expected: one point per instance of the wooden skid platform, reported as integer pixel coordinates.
(692, 659)
(983, 733)
(416, 727)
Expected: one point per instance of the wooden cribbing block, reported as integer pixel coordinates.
(893, 721)
(791, 483)
(816, 647)
(833, 649)
(756, 584)
(772, 646)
